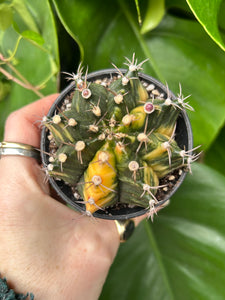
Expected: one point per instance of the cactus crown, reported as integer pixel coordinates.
(112, 140)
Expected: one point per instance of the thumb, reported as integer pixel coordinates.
(23, 125)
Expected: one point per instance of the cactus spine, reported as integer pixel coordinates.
(113, 142)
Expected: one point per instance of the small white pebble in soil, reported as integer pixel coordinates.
(171, 177)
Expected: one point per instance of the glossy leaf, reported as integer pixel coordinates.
(206, 11)
(4, 89)
(6, 16)
(215, 156)
(178, 50)
(181, 255)
(38, 62)
(23, 9)
(33, 36)
(221, 17)
(154, 14)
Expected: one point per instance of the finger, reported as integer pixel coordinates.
(138, 220)
(23, 125)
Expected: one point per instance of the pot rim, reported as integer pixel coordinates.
(58, 185)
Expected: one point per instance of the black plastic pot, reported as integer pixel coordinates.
(183, 137)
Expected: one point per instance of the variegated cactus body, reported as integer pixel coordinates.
(114, 143)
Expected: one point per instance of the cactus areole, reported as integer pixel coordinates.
(117, 143)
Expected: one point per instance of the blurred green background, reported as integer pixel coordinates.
(182, 254)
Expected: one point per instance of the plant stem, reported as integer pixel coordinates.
(26, 85)
(138, 12)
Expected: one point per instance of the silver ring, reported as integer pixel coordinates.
(19, 149)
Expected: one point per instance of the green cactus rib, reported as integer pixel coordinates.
(114, 142)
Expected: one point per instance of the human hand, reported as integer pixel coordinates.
(47, 248)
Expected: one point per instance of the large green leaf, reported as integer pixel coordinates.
(178, 50)
(36, 57)
(215, 156)
(206, 11)
(181, 255)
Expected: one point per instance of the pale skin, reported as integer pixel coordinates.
(47, 248)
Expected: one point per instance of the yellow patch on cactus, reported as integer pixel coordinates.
(156, 153)
(100, 179)
(143, 94)
(140, 115)
(150, 177)
(119, 150)
(160, 169)
(168, 131)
